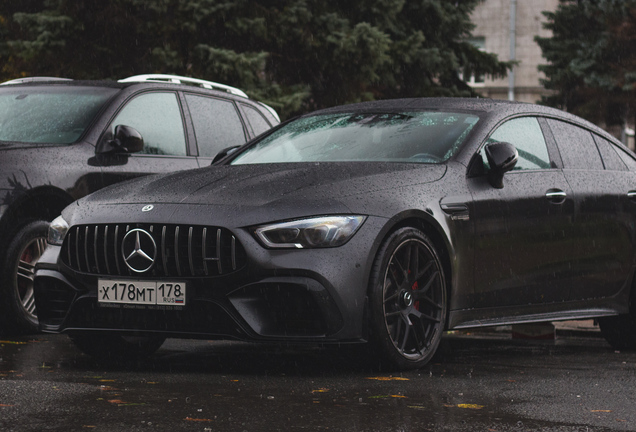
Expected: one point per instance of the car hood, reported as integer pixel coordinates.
(268, 190)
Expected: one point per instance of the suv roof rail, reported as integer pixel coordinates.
(33, 79)
(175, 79)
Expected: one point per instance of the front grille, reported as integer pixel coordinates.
(181, 250)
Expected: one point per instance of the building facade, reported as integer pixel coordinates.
(508, 28)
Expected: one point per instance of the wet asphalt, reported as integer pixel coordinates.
(477, 382)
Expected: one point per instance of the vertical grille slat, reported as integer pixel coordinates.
(190, 251)
(176, 250)
(77, 252)
(218, 250)
(86, 254)
(97, 249)
(116, 250)
(106, 257)
(203, 250)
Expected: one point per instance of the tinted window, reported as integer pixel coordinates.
(57, 115)
(526, 135)
(217, 124)
(425, 137)
(611, 160)
(628, 159)
(576, 146)
(157, 117)
(256, 119)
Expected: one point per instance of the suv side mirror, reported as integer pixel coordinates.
(502, 157)
(127, 140)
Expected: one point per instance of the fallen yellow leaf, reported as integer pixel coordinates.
(320, 390)
(13, 342)
(470, 406)
(388, 378)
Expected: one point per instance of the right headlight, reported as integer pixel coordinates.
(57, 231)
(315, 232)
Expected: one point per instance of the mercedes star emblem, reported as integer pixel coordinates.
(139, 250)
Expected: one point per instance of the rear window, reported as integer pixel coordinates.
(55, 115)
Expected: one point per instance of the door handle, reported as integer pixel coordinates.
(556, 196)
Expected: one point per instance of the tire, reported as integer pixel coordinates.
(407, 301)
(620, 330)
(18, 270)
(117, 349)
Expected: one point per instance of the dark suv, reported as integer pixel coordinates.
(62, 139)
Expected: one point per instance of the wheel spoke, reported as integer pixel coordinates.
(413, 260)
(26, 270)
(423, 297)
(425, 270)
(423, 316)
(424, 289)
(405, 335)
(29, 302)
(41, 246)
(396, 263)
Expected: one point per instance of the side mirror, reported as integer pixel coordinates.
(127, 140)
(226, 151)
(502, 157)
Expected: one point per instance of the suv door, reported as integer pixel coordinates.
(523, 227)
(158, 117)
(602, 254)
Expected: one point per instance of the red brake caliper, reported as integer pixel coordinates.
(417, 303)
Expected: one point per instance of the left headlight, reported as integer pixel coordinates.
(57, 231)
(317, 232)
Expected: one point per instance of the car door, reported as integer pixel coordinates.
(158, 117)
(602, 253)
(521, 230)
(217, 125)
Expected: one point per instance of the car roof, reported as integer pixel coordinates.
(493, 108)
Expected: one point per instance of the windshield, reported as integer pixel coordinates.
(425, 137)
(56, 115)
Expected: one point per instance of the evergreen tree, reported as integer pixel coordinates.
(296, 55)
(592, 59)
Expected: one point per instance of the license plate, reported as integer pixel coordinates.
(141, 292)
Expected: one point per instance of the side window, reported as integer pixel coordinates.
(611, 160)
(576, 146)
(217, 124)
(628, 159)
(157, 117)
(526, 135)
(256, 119)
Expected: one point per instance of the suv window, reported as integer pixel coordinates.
(526, 135)
(611, 160)
(576, 146)
(217, 124)
(55, 115)
(157, 117)
(256, 120)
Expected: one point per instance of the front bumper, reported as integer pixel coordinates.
(314, 295)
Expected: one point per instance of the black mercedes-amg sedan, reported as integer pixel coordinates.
(385, 222)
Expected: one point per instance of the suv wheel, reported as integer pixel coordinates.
(18, 306)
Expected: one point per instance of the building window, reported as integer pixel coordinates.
(474, 80)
